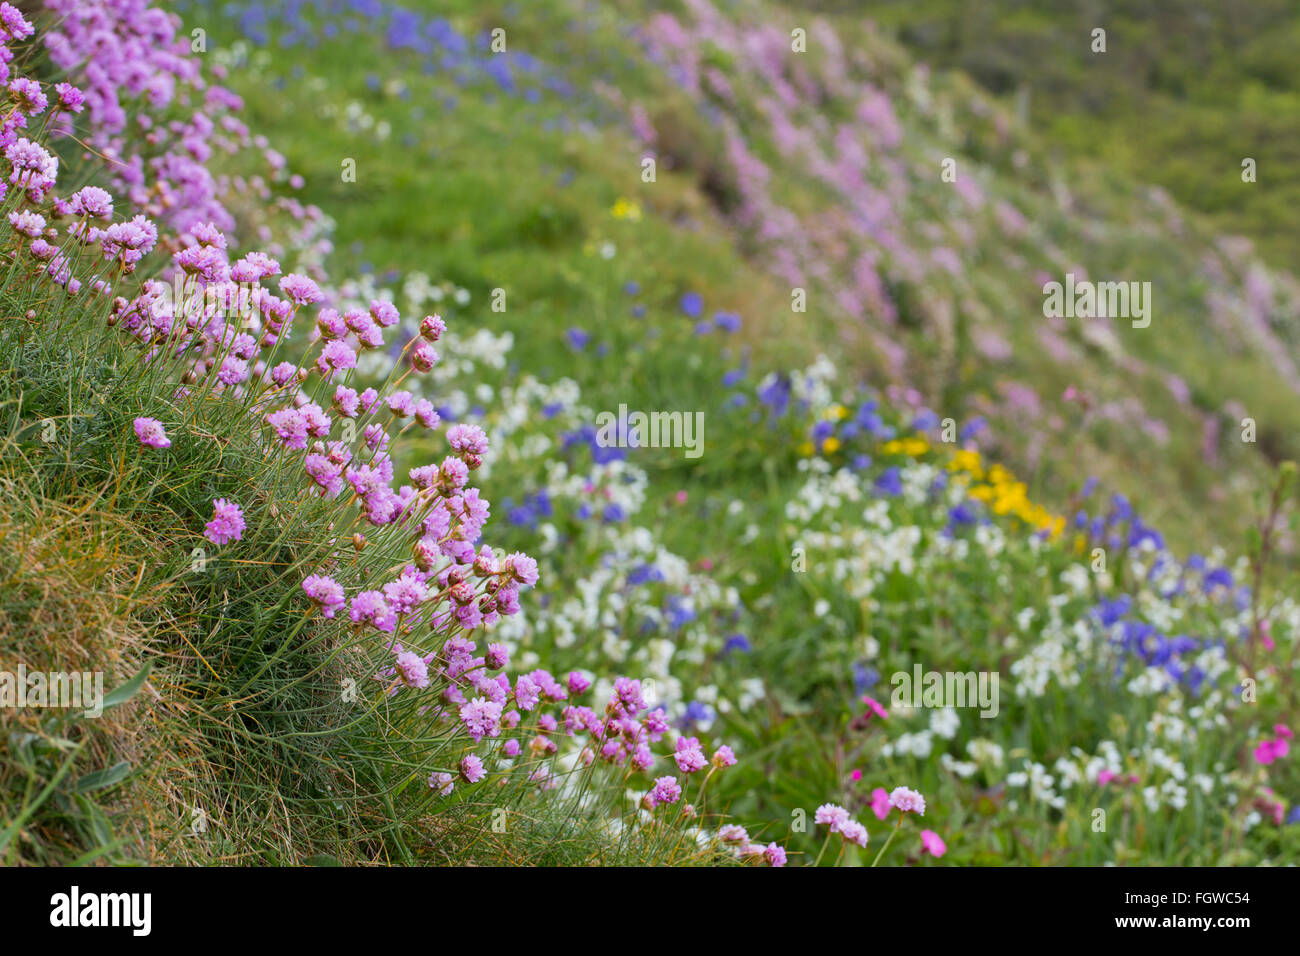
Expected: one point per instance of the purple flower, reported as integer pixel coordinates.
(692, 304)
(471, 769)
(665, 790)
(71, 99)
(775, 855)
(325, 592)
(482, 717)
(28, 95)
(92, 202)
(468, 440)
(150, 432)
(578, 684)
(227, 522)
(689, 756)
(412, 669)
(369, 607)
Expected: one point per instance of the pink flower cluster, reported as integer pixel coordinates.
(1275, 748)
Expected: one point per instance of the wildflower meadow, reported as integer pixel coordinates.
(705, 433)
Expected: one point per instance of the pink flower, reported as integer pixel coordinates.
(665, 790)
(227, 522)
(880, 803)
(774, 855)
(724, 757)
(471, 769)
(150, 432)
(874, 708)
(831, 815)
(905, 800)
(689, 755)
(853, 832)
(932, 843)
(325, 592)
(299, 288)
(412, 669)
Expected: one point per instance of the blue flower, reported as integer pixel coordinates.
(890, 482)
(737, 642)
(727, 321)
(692, 304)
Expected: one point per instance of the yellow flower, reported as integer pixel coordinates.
(836, 412)
(806, 449)
(831, 445)
(965, 460)
(626, 209)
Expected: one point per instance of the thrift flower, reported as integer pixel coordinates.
(471, 769)
(325, 592)
(907, 801)
(227, 522)
(150, 432)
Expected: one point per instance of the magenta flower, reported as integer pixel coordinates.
(150, 432)
(227, 522)
(775, 855)
(880, 804)
(443, 783)
(932, 843)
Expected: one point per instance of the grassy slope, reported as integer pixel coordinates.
(520, 205)
(488, 194)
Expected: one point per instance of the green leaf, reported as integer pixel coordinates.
(98, 779)
(125, 692)
(322, 859)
